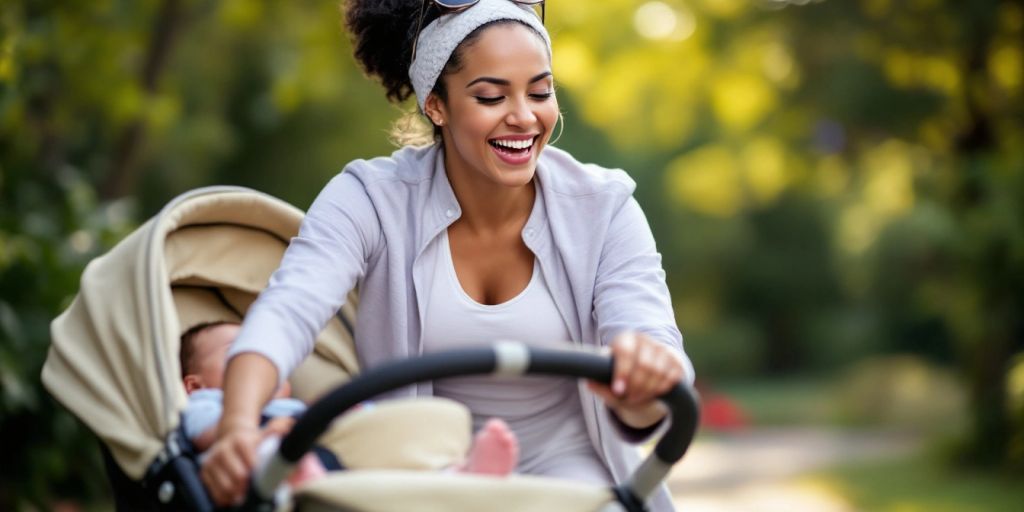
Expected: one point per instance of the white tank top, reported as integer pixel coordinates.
(544, 412)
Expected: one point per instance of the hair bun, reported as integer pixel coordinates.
(382, 32)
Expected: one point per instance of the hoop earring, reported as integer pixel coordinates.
(561, 128)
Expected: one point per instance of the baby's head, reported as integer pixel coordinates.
(204, 352)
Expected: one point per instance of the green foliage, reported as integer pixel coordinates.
(49, 229)
(921, 483)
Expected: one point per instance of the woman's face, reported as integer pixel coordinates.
(501, 106)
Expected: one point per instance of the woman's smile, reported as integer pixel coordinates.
(514, 149)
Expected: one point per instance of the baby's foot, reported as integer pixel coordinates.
(308, 468)
(495, 450)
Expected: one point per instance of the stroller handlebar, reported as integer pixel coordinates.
(507, 359)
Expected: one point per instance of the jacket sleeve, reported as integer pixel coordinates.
(630, 293)
(336, 241)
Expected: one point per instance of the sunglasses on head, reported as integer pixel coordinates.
(453, 6)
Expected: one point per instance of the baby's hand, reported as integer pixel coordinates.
(278, 426)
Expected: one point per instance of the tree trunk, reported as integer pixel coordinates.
(123, 177)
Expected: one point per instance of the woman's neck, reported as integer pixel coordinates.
(487, 206)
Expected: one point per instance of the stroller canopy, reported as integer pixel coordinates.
(205, 257)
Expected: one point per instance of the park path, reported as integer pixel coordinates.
(760, 469)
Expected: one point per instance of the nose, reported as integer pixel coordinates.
(520, 113)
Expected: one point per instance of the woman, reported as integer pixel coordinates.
(484, 235)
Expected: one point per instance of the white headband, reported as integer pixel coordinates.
(439, 39)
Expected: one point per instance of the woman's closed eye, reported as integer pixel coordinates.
(493, 100)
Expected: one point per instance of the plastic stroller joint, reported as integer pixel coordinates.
(173, 477)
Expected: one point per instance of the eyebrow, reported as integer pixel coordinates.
(502, 81)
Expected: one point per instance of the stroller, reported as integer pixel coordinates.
(205, 257)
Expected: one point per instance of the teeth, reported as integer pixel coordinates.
(513, 144)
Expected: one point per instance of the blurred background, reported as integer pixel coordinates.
(836, 186)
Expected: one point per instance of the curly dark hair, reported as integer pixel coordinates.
(382, 33)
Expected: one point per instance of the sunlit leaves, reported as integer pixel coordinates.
(724, 8)
(661, 21)
(639, 103)
(766, 169)
(1006, 66)
(740, 99)
(241, 15)
(709, 180)
(905, 69)
(720, 180)
(887, 191)
(573, 61)
(888, 188)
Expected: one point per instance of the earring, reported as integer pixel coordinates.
(561, 128)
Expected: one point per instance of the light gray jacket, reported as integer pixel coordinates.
(370, 224)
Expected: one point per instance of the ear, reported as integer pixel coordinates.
(434, 109)
(192, 383)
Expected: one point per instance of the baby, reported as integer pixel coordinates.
(495, 450)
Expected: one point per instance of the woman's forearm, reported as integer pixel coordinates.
(249, 382)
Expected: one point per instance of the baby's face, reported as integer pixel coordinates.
(211, 353)
(211, 357)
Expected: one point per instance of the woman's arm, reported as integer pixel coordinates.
(339, 235)
(635, 318)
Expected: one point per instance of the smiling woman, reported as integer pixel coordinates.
(483, 235)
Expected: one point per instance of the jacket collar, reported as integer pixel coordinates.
(442, 206)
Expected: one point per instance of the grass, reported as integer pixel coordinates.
(780, 402)
(884, 392)
(881, 396)
(921, 483)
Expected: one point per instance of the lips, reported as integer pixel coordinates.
(514, 150)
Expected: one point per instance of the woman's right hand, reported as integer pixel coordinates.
(230, 463)
(249, 382)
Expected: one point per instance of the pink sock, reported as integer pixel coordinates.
(495, 450)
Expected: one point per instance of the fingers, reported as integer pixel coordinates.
(227, 469)
(278, 426)
(645, 368)
(219, 475)
(647, 372)
(671, 378)
(604, 393)
(623, 352)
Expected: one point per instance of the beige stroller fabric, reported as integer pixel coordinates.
(425, 433)
(388, 490)
(113, 361)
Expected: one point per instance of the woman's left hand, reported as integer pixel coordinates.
(644, 370)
